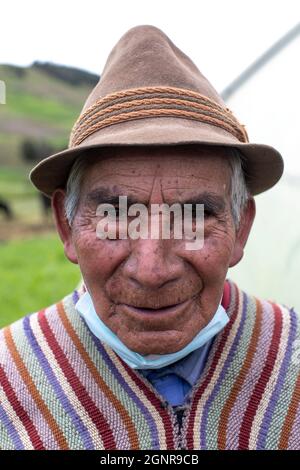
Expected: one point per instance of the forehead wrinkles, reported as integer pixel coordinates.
(142, 166)
(186, 166)
(168, 175)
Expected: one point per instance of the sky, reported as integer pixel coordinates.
(222, 37)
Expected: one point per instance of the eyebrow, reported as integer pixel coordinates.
(105, 196)
(211, 201)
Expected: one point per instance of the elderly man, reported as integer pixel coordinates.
(157, 350)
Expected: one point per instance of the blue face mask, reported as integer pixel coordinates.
(152, 361)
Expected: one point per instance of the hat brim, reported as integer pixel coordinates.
(262, 164)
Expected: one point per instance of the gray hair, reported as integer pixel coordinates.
(239, 190)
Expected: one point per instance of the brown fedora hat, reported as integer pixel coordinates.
(151, 93)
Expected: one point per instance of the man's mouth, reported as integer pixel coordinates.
(169, 309)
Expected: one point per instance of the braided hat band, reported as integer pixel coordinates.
(149, 102)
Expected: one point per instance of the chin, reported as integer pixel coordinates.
(157, 345)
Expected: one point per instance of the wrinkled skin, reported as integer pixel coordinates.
(152, 274)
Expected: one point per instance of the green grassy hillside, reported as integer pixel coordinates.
(42, 102)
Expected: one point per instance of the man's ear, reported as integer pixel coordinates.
(62, 224)
(247, 218)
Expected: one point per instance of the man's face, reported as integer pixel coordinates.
(155, 294)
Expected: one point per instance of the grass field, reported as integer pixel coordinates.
(16, 189)
(33, 269)
(34, 273)
(42, 109)
(38, 106)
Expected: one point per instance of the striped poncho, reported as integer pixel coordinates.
(61, 388)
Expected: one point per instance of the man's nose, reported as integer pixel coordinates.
(151, 264)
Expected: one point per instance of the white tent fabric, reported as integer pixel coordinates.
(269, 105)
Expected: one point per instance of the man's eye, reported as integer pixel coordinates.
(207, 213)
